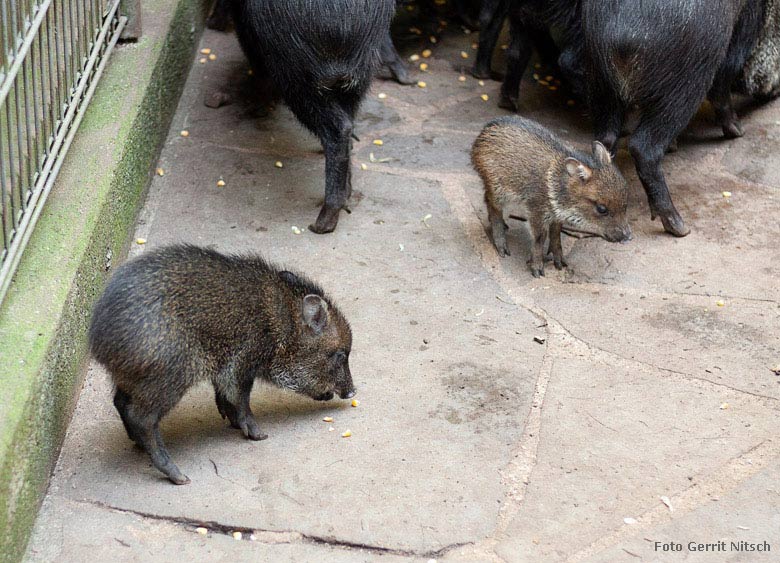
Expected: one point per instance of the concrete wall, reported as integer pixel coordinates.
(81, 232)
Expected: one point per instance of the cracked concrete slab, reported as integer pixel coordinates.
(473, 441)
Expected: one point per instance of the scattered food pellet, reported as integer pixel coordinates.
(485, 97)
(250, 72)
(629, 520)
(544, 83)
(421, 84)
(220, 183)
(432, 39)
(382, 95)
(424, 66)
(212, 57)
(202, 531)
(202, 60)
(504, 47)
(363, 166)
(236, 535)
(252, 537)
(539, 339)
(726, 194)
(481, 82)
(185, 133)
(724, 406)
(205, 51)
(537, 66)
(426, 53)
(552, 88)
(331, 429)
(140, 241)
(160, 172)
(355, 402)
(328, 419)
(414, 57)
(462, 78)
(474, 45)
(548, 77)
(400, 247)
(279, 164)
(346, 434)
(667, 501)
(570, 103)
(378, 142)
(720, 303)
(296, 230)
(415, 30)
(425, 219)
(464, 55)
(536, 76)
(776, 369)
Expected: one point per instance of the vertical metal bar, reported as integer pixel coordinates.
(3, 189)
(12, 168)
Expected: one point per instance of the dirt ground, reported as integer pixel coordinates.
(595, 414)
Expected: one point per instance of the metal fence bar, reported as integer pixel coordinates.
(52, 52)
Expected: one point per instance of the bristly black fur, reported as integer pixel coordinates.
(321, 56)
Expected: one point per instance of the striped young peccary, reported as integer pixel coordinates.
(183, 314)
(523, 164)
(660, 59)
(321, 56)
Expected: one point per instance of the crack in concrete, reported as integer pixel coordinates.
(723, 480)
(276, 536)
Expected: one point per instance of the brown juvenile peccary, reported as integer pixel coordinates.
(182, 314)
(522, 163)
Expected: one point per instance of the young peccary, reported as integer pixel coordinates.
(523, 164)
(184, 314)
(660, 58)
(320, 56)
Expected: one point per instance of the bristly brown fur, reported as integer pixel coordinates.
(183, 314)
(521, 163)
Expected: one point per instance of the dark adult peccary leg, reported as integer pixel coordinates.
(220, 15)
(322, 69)
(491, 20)
(392, 60)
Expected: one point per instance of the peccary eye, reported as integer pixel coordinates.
(601, 209)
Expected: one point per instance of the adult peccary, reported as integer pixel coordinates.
(661, 58)
(320, 55)
(220, 19)
(523, 164)
(183, 314)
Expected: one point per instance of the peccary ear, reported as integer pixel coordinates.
(289, 277)
(601, 154)
(577, 169)
(315, 313)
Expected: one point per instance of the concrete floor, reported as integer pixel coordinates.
(643, 412)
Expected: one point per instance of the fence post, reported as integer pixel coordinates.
(132, 10)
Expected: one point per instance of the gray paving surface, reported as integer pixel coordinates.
(472, 441)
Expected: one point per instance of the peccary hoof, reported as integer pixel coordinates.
(480, 72)
(673, 223)
(732, 130)
(507, 102)
(326, 221)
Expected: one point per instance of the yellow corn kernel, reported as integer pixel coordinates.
(382, 95)
(379, 142)
(424, 66)
(414, 57)
(205, 51)
(220, 183)
(720, 303)
(202, 60)
(426, 53)
(462, 78)
(202, 531)
(140, 241)
(279, 164)
(237, 535)
(160, 172)
(212, 57)
(328, 419)
(485, 97)
(346, 434)
(185, 133)
(421, 84)
(355, 402)
(726, 194)
(464, 55)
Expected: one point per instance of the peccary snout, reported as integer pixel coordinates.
(619, 234)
